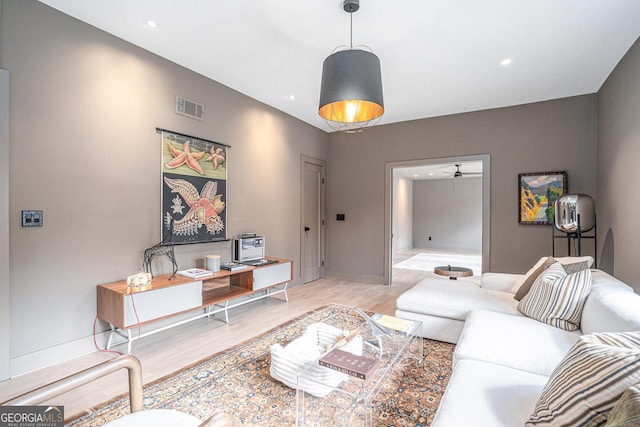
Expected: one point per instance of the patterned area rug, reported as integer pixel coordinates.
(238, 381)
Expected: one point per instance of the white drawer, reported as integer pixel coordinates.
(271, 275)
(158, 303)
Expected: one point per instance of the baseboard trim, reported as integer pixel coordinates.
(50, 356)
(376, 280)
(47, 357)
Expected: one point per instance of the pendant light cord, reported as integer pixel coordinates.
(351, 31)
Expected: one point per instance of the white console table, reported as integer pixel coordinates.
(124, 308)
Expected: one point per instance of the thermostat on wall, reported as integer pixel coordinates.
(32, 218)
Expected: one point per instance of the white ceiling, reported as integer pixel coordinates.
(438, 57)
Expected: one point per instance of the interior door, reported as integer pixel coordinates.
(312, 220)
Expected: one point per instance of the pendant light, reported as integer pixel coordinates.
(351, 87)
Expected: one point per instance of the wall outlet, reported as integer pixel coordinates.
(32, 218)
(429, 238)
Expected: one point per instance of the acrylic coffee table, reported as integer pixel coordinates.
(350, 402)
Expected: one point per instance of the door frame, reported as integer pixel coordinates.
(388, 205)
(322, 164)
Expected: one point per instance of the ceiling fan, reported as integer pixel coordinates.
(459, 174)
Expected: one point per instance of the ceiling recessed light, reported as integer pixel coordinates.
(291, 97)
(505, 62)
(152, 23)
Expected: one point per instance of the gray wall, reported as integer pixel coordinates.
(450, 211)
(402, 213)
(556, 135)
(617, 203)
(83, 148)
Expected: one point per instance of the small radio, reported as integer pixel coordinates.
(248, 247)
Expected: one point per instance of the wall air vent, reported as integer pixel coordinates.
(189, 108)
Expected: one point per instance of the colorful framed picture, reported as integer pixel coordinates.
(194, 189)
(536, 194)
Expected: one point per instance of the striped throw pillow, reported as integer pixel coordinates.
(557, 298)
(589, 380)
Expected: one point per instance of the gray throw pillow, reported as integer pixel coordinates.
(575, 267)
(626, 412)
(528, 282)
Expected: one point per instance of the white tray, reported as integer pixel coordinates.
(304, 352)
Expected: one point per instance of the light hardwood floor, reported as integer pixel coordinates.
(168, 351)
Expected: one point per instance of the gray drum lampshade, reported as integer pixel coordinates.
(351, 88)
(568, 207)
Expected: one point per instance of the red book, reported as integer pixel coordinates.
(348, 363)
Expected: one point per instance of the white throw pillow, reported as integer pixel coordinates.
(557, 298)
(588, 382)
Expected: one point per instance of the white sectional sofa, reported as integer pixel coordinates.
(503, 359)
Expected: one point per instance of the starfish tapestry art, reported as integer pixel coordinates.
(194, 188)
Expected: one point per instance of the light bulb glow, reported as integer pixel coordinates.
(352, 110)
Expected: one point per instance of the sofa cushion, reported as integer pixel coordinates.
(485, 394)
(499, 281)
(626, 411)
(612, 306)
(531, 276)
(435, 327)
(584, 387)
(453, 299)
(514, 341)
(557, 298)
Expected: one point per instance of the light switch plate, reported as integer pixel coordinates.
(32, 218)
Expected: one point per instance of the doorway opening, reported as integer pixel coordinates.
(439, 209)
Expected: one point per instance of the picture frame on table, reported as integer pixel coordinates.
(537, 192)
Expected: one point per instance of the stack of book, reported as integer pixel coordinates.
(232, 266)
(195, 273)
(362, 367)
(395, 323)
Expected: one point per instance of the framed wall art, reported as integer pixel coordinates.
(194, 189)
(536, 194)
